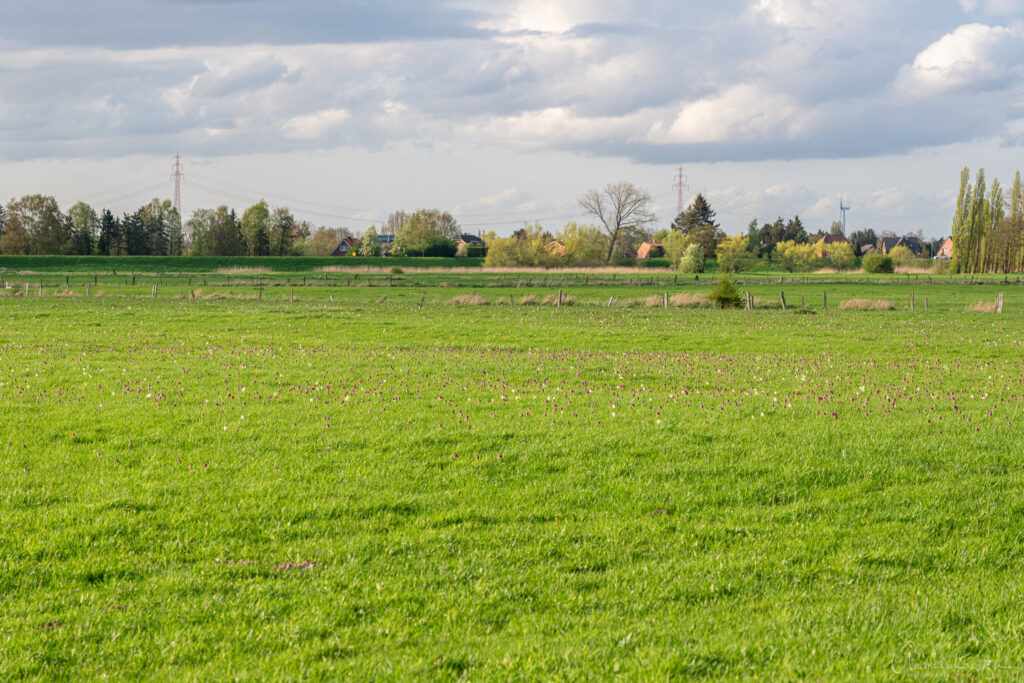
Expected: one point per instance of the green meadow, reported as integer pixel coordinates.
(343, 479)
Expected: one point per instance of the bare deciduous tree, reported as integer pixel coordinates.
(620, 208)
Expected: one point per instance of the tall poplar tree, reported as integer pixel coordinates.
(961, 219)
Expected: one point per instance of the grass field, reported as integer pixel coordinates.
(208, 488)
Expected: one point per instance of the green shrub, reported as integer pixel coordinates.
(901, 255)
(693, 260)
(396, 271)
(438, 246)
(725, 294)
(877, 263)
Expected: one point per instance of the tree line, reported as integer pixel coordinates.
(624, 221)
(988, 227)
(35, 224)
(621, 213)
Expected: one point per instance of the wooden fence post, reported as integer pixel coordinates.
(782, 297)
(825, 300)
(911, 302)
(261, 293)
(926, 304)
(999, 305)
(665, 301)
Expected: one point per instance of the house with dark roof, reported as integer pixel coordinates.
(346, 246)
(830, 239)
(911, 242)
(887, 244)
(469, 240)
(387, 243)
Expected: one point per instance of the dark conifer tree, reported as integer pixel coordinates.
(109, 243)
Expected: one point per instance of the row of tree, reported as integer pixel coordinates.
(988, 227)
(34, 224)
(621, 212)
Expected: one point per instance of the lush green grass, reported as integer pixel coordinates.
(505, 492)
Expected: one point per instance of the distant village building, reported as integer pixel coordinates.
(387, 243)
(946, 250)
(651, 250)
(346, 246)
(830, 239)
(887, 244)
(469, 241)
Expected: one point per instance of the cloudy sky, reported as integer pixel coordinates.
(507, 110)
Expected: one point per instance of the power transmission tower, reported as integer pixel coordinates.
(680, 185)
(176, 176)
(842, 212)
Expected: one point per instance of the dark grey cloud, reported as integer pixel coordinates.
(655, 82)
(143, 24)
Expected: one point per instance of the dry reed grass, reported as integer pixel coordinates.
(552, 300)
(983, 307)
(469, 300)
(690, 300)
(243, 270)
(582, 270)
(866, 305)
(528, 300)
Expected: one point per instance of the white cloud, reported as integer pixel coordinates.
(555, 17)
(507, 195)
(796, 13)
(559, 125)
(311, 126)
(972, 56)
(742, 112)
